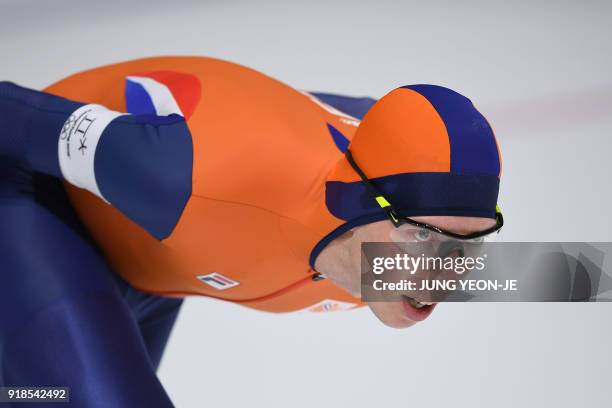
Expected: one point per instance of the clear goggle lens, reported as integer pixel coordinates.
(419, 241)
(412, 233)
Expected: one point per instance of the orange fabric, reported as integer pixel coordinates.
(262, 153)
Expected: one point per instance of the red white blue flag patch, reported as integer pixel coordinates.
(162, 93)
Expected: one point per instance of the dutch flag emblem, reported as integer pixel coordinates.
(162, 93)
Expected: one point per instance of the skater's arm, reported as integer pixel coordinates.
(140, 164)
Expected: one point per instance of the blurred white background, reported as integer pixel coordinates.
(540, 71)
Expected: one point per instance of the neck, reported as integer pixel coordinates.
(335, 262)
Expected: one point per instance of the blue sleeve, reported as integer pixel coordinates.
(356, 107)
(143, 163)
(67, 319)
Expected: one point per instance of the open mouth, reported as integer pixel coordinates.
(416, 310)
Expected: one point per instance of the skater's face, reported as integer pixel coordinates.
(341, 263)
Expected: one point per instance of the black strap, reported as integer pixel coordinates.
(370, 187)
(391, 213)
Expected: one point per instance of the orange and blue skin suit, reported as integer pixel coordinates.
(262, 152)
(221, 182)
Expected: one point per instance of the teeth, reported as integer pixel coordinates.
(418, 304)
